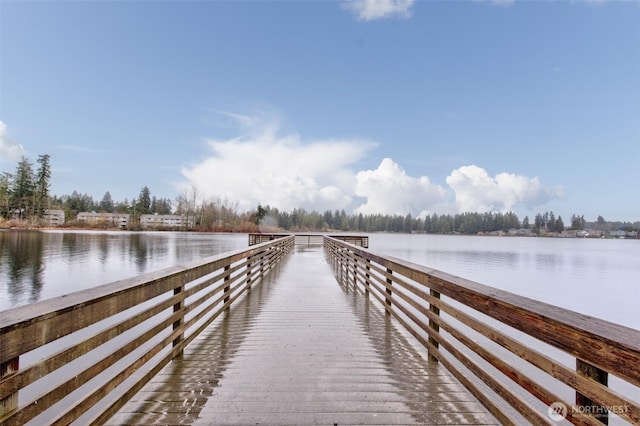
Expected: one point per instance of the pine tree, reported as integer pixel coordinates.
(106, 204)
(43, 176)
(23, 189)
(6, 180)
(144, 201)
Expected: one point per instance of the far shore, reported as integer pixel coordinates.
(250, 228)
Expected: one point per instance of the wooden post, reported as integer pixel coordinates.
(355, 273)
(388, 297)
(435, 328)
(227, 288)
(341, 264)
(10, 402)
(249, 273)
(587, 406)
(367, 276)
(179, 307)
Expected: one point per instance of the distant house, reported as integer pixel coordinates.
(54, 217)
(523, 232)
(623, 234)
(121, 220)
(166, 221)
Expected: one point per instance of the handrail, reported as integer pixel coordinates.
(462, 324)
(146, 321)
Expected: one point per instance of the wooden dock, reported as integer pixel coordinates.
(301, 349)
(310, 329)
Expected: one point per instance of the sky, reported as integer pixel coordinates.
(388, 106)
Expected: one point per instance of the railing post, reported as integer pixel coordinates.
(355, 273)
(388, 291)
(585, 405)
(179, 323)
(340, 261)
(227, 288)
(249, 272)
(10, 402)
(435, 328)
(367, 276)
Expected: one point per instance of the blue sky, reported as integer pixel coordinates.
(371, 106)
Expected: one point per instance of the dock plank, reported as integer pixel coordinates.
(300, 349)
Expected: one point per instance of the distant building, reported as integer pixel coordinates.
(121, 220)
(623, 234)
(166, 221)
(54, 217)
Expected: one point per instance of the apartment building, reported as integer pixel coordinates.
(166, 221)
(54, 217)
(120, 220)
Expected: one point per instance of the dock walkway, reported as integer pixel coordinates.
(301, 349)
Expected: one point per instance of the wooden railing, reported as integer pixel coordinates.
(521, 358)
(82, 356)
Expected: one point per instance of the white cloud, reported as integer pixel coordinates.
(281, 171)
(476, 191)
(9, 149)
(369, 10)
(389, 190)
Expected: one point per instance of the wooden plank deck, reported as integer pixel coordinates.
(300, 349)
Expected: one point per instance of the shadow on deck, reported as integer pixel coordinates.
(301, 349)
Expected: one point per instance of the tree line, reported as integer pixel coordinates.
(25, 195)
(469, 223)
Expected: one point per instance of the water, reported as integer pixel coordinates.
(40, 265)
(591, 276)
(597, 277)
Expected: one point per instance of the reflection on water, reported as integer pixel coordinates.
(39, 265)
(21, 262)
(592, 276)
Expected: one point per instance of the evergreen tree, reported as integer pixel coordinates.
(23, 189)
(577, 222)
(144, 202)
(551, 223)
(408, 223)
(77, 203)
(43, 176)
(106, 204)
(260, 214)
(6, 181)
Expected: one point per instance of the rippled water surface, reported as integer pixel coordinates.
(40, 265)
(592, 276)
(598, 277)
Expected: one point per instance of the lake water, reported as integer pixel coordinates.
(41, 265)
(592, 276)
